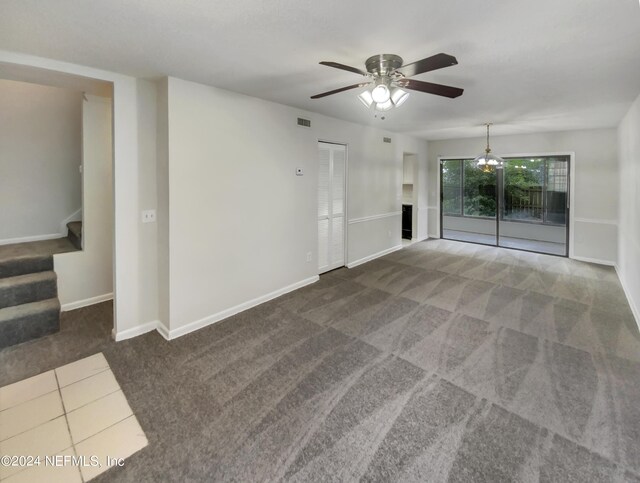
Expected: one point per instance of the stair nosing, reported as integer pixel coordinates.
(25, 257)
(29, 308)
(22, 279)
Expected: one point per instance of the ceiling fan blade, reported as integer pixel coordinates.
(335, 91)
(434, 62)
(344, 67)
(428, 87)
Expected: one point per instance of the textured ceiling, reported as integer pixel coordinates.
(527, 66)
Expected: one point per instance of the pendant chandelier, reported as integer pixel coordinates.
(488, 161)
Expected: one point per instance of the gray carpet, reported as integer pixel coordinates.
(36, 248)
(441, 362)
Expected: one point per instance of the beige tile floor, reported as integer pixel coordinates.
(76, 415)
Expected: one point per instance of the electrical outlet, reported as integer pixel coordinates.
(308, 256)
(299, 172)
(149, 216)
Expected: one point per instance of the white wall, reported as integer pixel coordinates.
(40, 155)
(87, 275)
(595, 200)
(240, 221)
(148, 199)
(162, 179)
(629, 195)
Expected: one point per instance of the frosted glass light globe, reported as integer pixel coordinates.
(380, 93)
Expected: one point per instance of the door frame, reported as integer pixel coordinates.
(345, 228)
(569, 253)
(414, 195)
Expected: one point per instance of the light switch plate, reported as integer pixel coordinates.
(299, 172)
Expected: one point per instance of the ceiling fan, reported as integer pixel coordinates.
(389, 77)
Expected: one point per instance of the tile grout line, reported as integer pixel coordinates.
(110, 426)
(35, 427)
(97, 399)
(66, 420)
(64, 410)
(28, 400)
(108, 368)
(58, 387)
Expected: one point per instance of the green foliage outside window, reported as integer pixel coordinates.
(479, 191)
(523, 189)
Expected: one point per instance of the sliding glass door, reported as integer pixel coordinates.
(468, 200)
(523, 206)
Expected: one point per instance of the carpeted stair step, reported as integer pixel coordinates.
(74, 233)
(11, 267)
(24, 289)
(28, 321)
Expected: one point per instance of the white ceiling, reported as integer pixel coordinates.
(536, 65)
(34, 75)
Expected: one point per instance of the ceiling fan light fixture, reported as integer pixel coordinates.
(390, 79)
(366, 98)
(384, 106)
(380, 93)
(398, 96)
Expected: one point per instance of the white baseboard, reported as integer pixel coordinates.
(86, 302)
(75, 216)
(211, 319)
(431, 235)
(634, 309)
(135, 331)
(162, 330)
(374, 256)
(416, 240)
(594, 260)
(50, 236)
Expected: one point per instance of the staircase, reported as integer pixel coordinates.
(74, 233)
(29, 306)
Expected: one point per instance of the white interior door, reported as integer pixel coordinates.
(331, 205)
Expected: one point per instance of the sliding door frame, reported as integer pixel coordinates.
(570, 224)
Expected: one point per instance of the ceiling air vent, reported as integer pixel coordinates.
(304, 122)
(386, 140)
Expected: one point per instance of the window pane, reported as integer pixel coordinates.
(556, 191)
(479, 191)
(451, 184)
(523, 189)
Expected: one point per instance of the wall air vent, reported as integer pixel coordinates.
(304, 122)
(386, 140)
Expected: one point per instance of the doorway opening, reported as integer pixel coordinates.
(332, 163)
(408, 191)
(56, 241)
(41, 165)
(524, 206)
